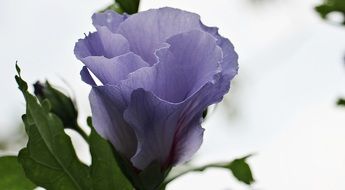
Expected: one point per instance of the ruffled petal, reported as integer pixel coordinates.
(89, 46)
(146, 30)
(111, 71)
(109, 19)
(169, 133)
(191, 61)
(107, 105)
(101, 43)
(154, 122)
(189, 134)
(230, 57)
(187, 142)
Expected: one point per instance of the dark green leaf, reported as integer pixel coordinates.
(128, 170)
(49, 159)
(329, 6)
(241, 170)
(23, 86)
(129, 6)
(12, 175)
(114, 7)
(153, 176)
(17, 68)
(105, 173)
(341, 102)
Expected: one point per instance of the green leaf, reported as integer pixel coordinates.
(329, 6)
(238, 167)
(341, 102)
(23, 86)
(241, 170)
(129, 6)
(153, 176)
(12, 175)
(105, 173)
(17, 68)
(114, 7)
(124, 6)
(49, 159)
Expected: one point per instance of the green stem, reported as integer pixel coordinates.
(82, 133)
(197, 169)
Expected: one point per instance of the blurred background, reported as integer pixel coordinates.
(281, 107)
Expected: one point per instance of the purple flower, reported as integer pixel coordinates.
(159, 70)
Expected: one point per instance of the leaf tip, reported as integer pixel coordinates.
(22, 85)
(17, 68)
(89, 121)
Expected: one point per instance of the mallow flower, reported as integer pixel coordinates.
(157, 71)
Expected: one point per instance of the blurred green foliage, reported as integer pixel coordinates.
(114, 7)
(330, 6)
(12, 175)
(341, 102)
(129, 6)
(16, 139)
(124, 6)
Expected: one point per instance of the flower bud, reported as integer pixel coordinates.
(60, 104)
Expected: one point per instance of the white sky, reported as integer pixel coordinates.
(281, 104)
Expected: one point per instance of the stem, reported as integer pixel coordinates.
(197, 169)
(82, 133)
